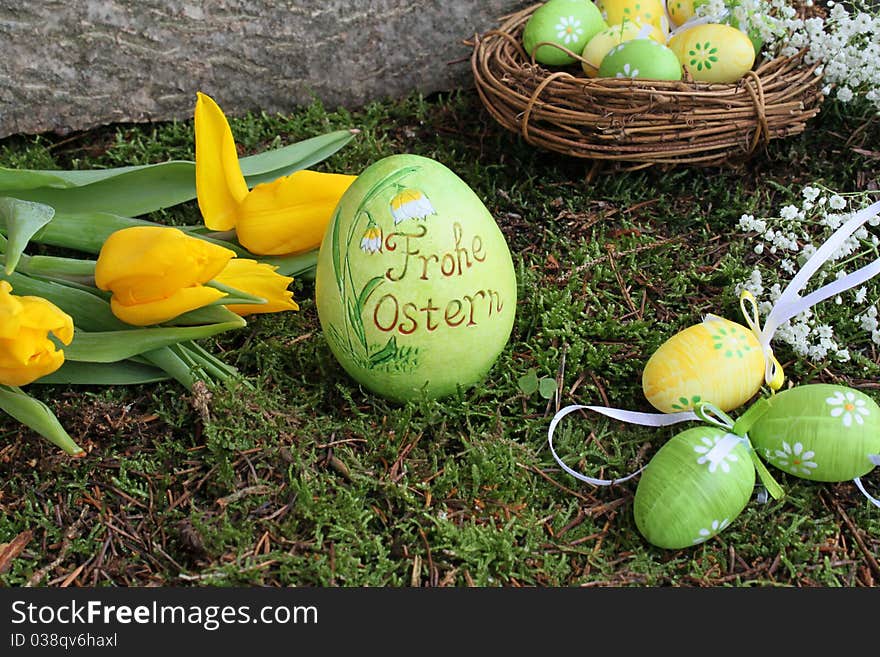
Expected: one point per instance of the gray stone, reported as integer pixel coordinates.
(76, 64)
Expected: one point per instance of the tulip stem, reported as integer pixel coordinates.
(167, 360)
(214, 365)
(67, 269)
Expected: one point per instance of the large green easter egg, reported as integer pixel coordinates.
(568, 23)
(415, 286)
(693, 487)
(820, 432)
(644, 59)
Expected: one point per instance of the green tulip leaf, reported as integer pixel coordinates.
(302, 264)
(114, 346)
(85, 231)
(39, 417)
(126, 372)
(136, 190)
(22, 220)
(89, 311)
(234, 295)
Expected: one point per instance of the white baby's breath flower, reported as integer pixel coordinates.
(789, 212)
(844, 94)
(836, 202)
(810, 193)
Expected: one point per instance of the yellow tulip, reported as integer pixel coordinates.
(26, 351)
(286, 216)
(259, 279)
(157, 273)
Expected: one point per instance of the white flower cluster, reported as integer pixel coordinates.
(793, 237)
(846, 43)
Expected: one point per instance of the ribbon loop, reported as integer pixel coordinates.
(631, 417)
(711, 414)
(774, 377)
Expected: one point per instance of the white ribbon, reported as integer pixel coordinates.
(875, 459)
(703, 412)
(708, 414)
(700, 20)
(873, 500)
(790, 304)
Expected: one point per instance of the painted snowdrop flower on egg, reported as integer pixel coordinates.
(848, 408)
(372, 239)
(411, 204)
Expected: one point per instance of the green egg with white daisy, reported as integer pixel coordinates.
(694, 487)
(642, 59)
(820, 432)
(568, 23)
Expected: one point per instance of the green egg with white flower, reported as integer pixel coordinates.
(568, 23)
(415, 286)
(820, 432)
(694, 487)
(642, 59)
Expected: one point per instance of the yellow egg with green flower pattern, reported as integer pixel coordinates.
(714, 52)
(717, 361)
(680, 10)
(616, 12)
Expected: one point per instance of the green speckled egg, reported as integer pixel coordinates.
(569, 23)
(642, 59)
(415, 286)
(820, 432)
(693, 487)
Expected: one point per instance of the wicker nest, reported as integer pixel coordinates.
(638, 123)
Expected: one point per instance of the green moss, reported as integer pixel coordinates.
(307, 479)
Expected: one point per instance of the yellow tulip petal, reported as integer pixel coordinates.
(18, 351)
(290, 215)
(220, 184)
(38, 313)
(10, 311)
(41, 365)
(259, 279)
(149, 263)
(156, 312)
